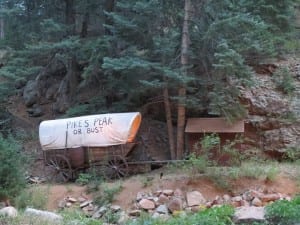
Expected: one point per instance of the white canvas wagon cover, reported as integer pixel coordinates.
(94, 130)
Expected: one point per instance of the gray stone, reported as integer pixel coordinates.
(8, 211)
(163, 209)
(35, 111)
(62, 204)
(44, 215)
(84, 204)
(195, 198)
(99, 213)
(115, 208)
(140, 195)
(251, 213)
(123, 218)
(30, 93)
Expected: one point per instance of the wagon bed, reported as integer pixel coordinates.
(106, 151)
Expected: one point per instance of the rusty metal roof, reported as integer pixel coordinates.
(213, 125)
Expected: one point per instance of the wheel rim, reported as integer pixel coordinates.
(60, 169)
(116, 168)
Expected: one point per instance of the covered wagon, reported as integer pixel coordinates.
(102, 141)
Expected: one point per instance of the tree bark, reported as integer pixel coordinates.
(169, 123)
(70, 16)
(2, 35)
(109, 7)
(182, 90)
(84, 28)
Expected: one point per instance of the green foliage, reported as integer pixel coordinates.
(284, 81)
(219, 215)
(283, 212)
(292, 154)
(211, 150)
(34, 197)
(84, 178)
(107, 194)
(71, 216)
(12, 178)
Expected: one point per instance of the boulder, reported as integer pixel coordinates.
(30, 93)
(147, 204)
(162, 199)
(162, 209)
(175, 204)
(44, 215)
(249, 214)
(8, 211)
(194, 198)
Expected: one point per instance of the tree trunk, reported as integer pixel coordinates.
(182, 90)
(72, 77)
(109, 7)
(70, 16)
(169, 123)
(84, 28)
(2, 28)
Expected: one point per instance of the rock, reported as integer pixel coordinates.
(226, 198)
(81, 199)
(269, 197)
(84, 204)
(68, 204)
(30, 93)
(194, 198)
(162, 199)
(251, 213)
(115, 208)
(100, 212)
(135, 212)
(123, 218)
(237, 199)
(141, 195)
(8, 211)
(178, 193)
(44, 215)
(281, 139)
(72, 200)
(257, 202)
(147, 204)
(244, 203)
(62, 204)
(35, 111)
(89, 208)
(20, 83)
(168, 192)
(162, 209)
(175, 204)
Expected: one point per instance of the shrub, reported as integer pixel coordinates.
(284, 212)
(284, 81)
(107, 194)
(12, 179)
(35, 197)
(214, 216)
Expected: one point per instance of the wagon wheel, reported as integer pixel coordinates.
(116, 167)
(59, 169)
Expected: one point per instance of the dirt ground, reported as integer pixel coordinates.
(152, 182)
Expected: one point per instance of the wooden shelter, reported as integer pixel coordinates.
(196, 128)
